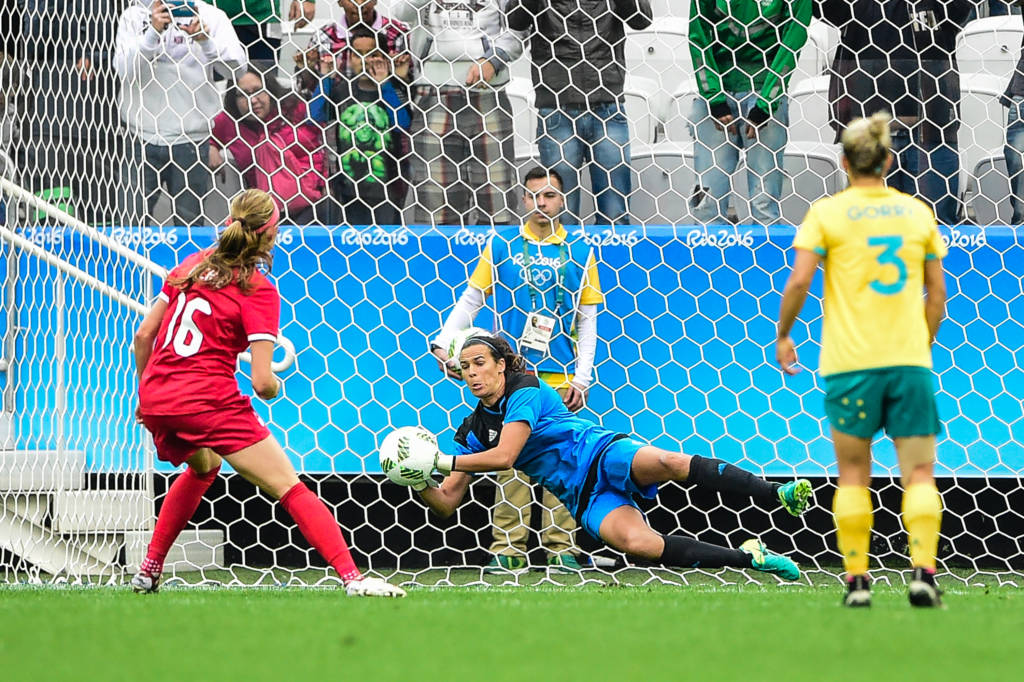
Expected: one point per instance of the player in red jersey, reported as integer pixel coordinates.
(213, 306)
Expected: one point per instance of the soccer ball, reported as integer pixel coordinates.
(401, 443)
(455, 346)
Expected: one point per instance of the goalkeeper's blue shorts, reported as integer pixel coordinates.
(610, 485)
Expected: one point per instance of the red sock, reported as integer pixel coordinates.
(320, 529)
(179, 505)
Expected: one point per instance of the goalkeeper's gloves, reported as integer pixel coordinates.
(428, 482)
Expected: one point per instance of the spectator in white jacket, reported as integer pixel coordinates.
(168, 100)
(462, 166)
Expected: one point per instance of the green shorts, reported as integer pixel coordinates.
(899, 399)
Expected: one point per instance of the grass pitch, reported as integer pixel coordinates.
(590, 632)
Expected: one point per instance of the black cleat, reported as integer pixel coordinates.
(923, 590)
(858, 591)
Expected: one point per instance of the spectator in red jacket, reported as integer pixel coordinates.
(275, 146)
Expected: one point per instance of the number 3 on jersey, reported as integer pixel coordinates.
(891, 244)
(187, 337)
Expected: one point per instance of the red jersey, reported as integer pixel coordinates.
(192, 368)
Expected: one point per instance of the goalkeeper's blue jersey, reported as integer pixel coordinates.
(561, 447)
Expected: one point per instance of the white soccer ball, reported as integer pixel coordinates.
(455, 346)
(401, 443)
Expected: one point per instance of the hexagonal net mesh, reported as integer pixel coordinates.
(691, 271)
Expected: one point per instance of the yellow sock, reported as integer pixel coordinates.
(852, 508)
(922, 516)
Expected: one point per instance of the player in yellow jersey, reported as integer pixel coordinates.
(880, 249)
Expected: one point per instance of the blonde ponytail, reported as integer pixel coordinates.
(866, 144)
(245, 244)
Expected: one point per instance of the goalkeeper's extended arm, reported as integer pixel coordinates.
(443, 500)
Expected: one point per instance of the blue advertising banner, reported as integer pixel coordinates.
(685, 358)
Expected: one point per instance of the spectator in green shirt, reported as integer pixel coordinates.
(251, 19)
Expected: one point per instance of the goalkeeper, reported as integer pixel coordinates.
(520, 421)
(881, 249)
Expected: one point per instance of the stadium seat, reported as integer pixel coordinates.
(645, 108)
(663, 179)
(809, 111)
(988, 192)
(990, 46)
(817, 53)
(812, 171)
(661, 52)
(521, 96)
(677, 112)
(983, 122)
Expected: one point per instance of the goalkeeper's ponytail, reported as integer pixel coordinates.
(500, 349)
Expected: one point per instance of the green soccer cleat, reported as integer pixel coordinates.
(763, 559)
(563, 563)
(795, 496)
(503, 563)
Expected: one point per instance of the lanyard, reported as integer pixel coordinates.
(528, 276)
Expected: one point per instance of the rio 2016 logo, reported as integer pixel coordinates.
(959, 240)
(374, 237)
(720, 239)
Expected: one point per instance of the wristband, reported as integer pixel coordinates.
(444, 463)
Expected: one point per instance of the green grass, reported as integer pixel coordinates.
(656, 632)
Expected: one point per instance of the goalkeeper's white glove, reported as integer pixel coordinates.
(428, 463)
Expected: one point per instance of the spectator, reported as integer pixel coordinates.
(898, 57)
(529, 271)
(370, 110)
(743, 52)
(462, 124)
(578, 73)
(274, 145)
(326, 54)
(68, 48)
(257, 24)
(168, 99)
(1013, 99)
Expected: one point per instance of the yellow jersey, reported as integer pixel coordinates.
(875, 242)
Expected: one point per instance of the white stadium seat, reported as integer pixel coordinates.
(990, 46)
(983, 122)
(661, 52)
(988, 193)
(677, 115)
(521, 96)
(645, 108)
(809, 111)
(812, 170)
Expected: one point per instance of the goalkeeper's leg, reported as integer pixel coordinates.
(853, 514)
(624, 528)
(653, 465)
(922, 515)
(179, 505)
(266, 465)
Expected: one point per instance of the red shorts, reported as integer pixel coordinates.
(225, 431)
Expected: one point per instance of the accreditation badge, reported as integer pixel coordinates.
(538, 332)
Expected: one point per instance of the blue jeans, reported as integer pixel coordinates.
(716, 153)
(1014, 153)
(567, 138)
(930, 174)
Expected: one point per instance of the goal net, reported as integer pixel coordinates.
(681, 359)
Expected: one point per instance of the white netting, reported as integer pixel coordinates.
(689, 310)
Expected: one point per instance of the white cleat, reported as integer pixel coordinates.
(372, 587)
(144, 583)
